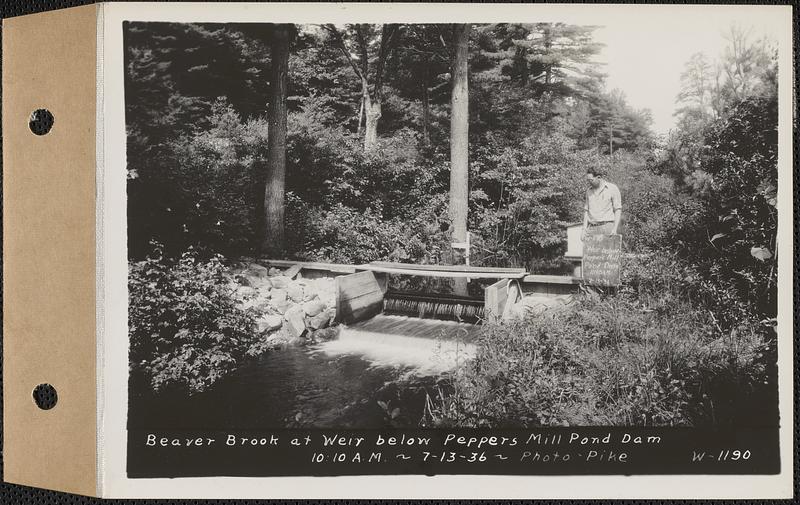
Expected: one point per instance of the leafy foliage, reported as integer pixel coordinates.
(346, 235)
(186, 329)
(524, 196)
(206, 191)
(197, 160)
(651, 356)
(727, 226)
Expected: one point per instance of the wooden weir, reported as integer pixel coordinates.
(360, 295)
(360, 289)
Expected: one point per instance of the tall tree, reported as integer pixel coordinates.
(422, 71)
(459, 141)
(710, 91)
(746, 65)
(273, 241)
(553, 57)
(697, 87)
(357, 43)
(459, 132)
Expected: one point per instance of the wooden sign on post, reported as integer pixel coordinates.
(601, 260)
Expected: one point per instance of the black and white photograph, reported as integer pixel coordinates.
(560, 237)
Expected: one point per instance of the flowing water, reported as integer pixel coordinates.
(394, 360)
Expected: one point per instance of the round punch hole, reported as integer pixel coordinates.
(41, 121)
(45, 396)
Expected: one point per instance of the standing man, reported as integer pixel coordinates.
(602, 209)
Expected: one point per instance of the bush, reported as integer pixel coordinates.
(727, 226)
(205, 190)
(649, 201)
(344, 234)
(186, 330)
(327, 166)
(651, 355)
(522, 197)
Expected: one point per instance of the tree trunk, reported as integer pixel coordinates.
(372, 114)
(273, 241)
(426, 108)
(459, 134)
(360, 117)
(548, 44)
(459, 142)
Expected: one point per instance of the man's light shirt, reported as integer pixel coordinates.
(601, 203)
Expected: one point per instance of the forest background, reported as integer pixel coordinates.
(338, 143)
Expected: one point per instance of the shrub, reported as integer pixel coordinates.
(186, 330)
(649, 201)
(727, 226)
(203, 189)
(523, 196)
(348, 235)
(650, 355)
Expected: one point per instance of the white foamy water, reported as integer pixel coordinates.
(427, 346)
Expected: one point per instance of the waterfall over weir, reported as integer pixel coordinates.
(426, 346)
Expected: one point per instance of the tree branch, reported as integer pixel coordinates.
(363, 47)
(388, 33)
(339, 40)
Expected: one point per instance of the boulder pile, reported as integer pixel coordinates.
(290, 309)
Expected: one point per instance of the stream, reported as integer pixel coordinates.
(376, 374)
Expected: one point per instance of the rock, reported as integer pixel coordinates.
(280, 281)
(269, 322)
(295, 341)
(323, 284)
(279, 338)
(242, 280)
(292, 271)
(295, 321)
(274, 271)
(245, 292)
(314, 307)
(295, 292)
(320, 320)
(256, 303)
(279, 300)
(256, 270)
(326, 334)
(261, 284)
(264, 290)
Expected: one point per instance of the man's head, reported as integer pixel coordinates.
(594, 176)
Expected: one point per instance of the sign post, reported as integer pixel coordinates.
(465, 246)
(601, 260)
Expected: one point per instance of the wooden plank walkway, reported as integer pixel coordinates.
(551, 279)
(429, 270)
(452, 271)
(310, 265)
